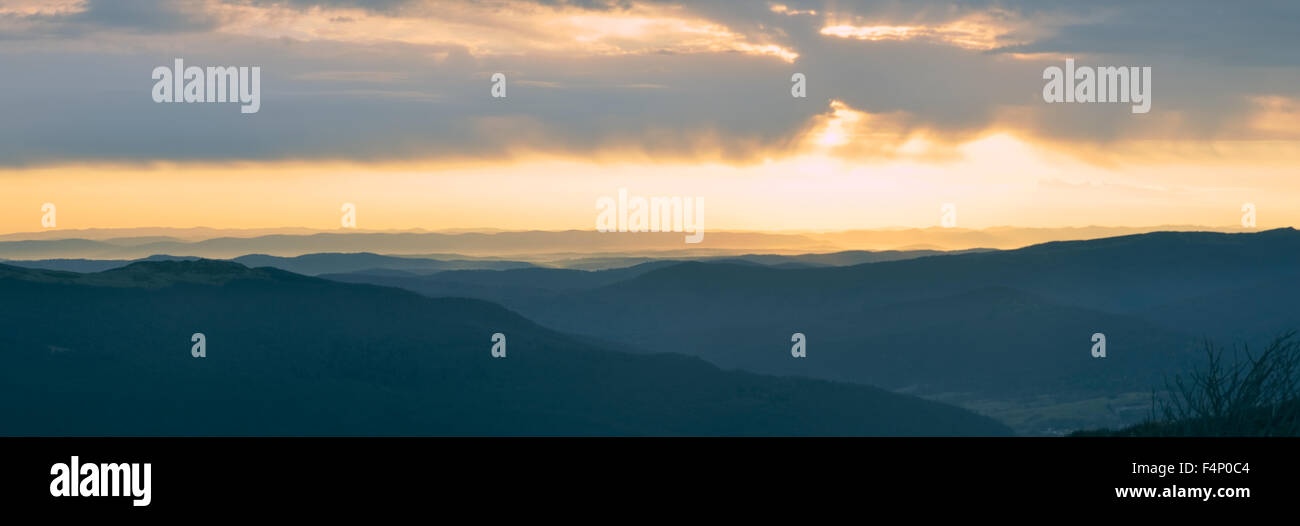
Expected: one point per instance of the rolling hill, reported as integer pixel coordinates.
(109, 353)
(1007, 328)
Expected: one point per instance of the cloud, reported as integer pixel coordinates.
(1260, 33)
(658, 79)
(158, 16)
(81, 18)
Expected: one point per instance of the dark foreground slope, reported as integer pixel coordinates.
(110, 354)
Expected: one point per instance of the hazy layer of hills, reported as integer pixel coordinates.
(109, 353)
(369, 263)
(537, 244)
(533, 246)
(1008, 332)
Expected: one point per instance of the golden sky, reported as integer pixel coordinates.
(387, 105)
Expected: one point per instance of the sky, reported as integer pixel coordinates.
(388, 105)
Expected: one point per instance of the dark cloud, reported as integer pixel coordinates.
(655, 103)
(162, 16)
(377, 6)
(396, 5)
(140, 16)
(333, 100)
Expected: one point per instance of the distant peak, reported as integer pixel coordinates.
(168, 272)
(182, 266)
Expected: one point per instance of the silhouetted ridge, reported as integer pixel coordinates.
(1009, 331)
(1171, 238)
(110, 354)
(157, 273)
(209, 267)
(199, 271)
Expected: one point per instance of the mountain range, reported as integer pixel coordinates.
(110, 353)
(533, 246)
(1006, 332)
